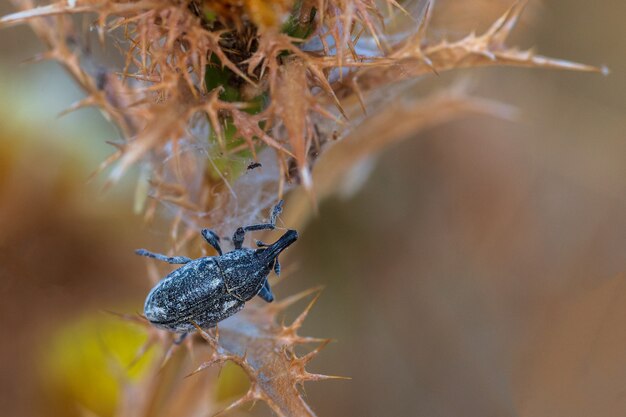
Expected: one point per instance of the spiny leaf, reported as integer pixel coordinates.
(413, 59)
(265, 351)
(293, 102)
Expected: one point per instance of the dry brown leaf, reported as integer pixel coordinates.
(413, 59)
(292, 103)
(265, 350)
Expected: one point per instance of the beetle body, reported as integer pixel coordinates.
(207, 290)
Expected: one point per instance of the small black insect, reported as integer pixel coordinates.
(254, 165)
(207, 290)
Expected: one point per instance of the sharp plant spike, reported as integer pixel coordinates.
(297, 323)
(291, 300)
(203, 366)
(321, 377)
(250, 396)
(502, 28)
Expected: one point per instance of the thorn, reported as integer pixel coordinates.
(168, 355)
(501, 29)
(219, 371)
(287, 302)
(104, 165)
(297, 323)
(203, 366)
(170, 351)
(254, 400)
(142, 351)
(45, 56)
(133, 318)
(302, 340)
(119, 145)
(320, 377)
(425, 21)
(42, 11)
(80, 104)
(250, 396)
(402, 9)
(212, 342)
(354, 85)
(305, 359)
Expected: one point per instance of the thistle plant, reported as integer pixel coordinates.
(227, 106)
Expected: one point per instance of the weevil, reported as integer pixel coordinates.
(207, 290)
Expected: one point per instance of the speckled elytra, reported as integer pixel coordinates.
(207, 290)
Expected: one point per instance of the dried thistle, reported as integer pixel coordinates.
(309, 89)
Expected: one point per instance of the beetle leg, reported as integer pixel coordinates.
(238, 237)
(180, 339)
(262, 226)
(276, 210)
(260, 244)
(212, 239)
(169, 260)
(240, 233)
(277, 267)
(266, 292)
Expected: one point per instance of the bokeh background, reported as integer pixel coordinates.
(481, 271)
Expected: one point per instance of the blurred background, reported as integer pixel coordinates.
(481, 271)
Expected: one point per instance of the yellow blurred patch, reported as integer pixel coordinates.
(263, 13)
(233, 382)
(86, 362)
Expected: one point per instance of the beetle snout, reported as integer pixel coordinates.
(280, 245)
